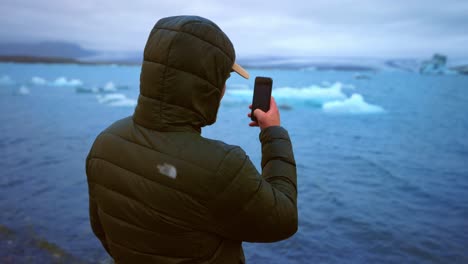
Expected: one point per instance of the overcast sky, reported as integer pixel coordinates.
(370, 28)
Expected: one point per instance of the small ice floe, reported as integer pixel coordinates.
(63, 81)
(23, 90)
(6, 80)
(116, 99)
(124, 103)
(352, 105)
(38, 81)
(109, 87)
(108, 98)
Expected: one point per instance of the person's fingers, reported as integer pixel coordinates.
(273, 103)
(253, 124)
(250, 106)
(249, 114)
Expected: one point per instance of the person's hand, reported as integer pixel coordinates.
(264, 120)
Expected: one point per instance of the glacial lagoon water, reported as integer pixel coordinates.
(382, 160)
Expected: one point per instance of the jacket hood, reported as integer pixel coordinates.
(186, 62)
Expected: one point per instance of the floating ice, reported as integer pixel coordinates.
(436, 65)
(109, 87)
(312, 94)
(63, 81)
(327, 96)
(6, 80)
(116, 99)
(104, 99)
(23, 90)
(352, 105)
(127, 102)
(38, 81)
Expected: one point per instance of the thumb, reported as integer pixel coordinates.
(258, 113)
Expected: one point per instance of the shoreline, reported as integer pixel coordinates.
(60, 60)
(319, 66)
(29, 247)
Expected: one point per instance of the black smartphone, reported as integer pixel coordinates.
(262, 95)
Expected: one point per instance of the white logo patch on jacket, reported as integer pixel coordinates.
(168, 170)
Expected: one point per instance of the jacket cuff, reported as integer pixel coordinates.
(273, 132)
(276, 145)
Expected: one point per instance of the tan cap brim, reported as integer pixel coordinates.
(241, 71)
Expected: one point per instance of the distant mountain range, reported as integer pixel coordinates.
(63, 52)
(66, 52)
(45, 49)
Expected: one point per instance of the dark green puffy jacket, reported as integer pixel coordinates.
(161, 193)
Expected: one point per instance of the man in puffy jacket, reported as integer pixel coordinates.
(159, 192)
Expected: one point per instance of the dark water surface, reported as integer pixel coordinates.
(374, 187)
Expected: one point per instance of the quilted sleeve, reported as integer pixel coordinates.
(254, 207)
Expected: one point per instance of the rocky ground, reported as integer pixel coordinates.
(17, 248)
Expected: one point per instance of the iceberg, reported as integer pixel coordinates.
(116, 99)
(436, 65)
(63, 81)
(23, 90)
(330, 97)
(38, 81)
(127, 102)
(352, 105)
(108, 98)
(109, 87)
(314, 94)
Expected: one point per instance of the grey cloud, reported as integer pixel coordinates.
(308, 28)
